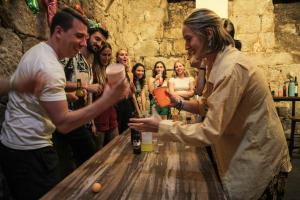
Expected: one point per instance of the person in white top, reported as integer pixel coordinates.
(241, 123)
(31, 163)
(181, 86)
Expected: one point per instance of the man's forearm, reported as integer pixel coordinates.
(195, 107)
(77, 118)
(70, 86)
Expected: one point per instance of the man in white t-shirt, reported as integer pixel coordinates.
(29, 161)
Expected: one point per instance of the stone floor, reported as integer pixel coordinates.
(293, 183)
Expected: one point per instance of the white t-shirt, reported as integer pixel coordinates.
(182, 84)
(27, 125)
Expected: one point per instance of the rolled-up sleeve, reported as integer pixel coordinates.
(222, 104)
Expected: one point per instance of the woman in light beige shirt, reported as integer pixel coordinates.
(241, 123)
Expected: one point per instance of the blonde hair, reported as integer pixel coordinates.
(174, 74)
(99, 68)
(128, 67)
(200, 20)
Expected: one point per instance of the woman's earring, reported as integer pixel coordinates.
(209, 44)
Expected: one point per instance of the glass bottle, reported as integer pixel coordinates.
(291, 88)
(79, 91)
(284, 90)
(136, 141)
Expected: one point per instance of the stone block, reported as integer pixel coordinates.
(174, 33)
(179, 47)
(166, 48)
(271, 59)
(267, 23)
(267, 41)
(16, 14)
(146, 48)
(247, 40)
(248, 24)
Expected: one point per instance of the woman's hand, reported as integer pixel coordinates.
(174, 98)
(71, 97)
(159, 78)
(149, 124)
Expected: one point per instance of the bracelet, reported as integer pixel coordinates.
(202, 68)
(179, 105)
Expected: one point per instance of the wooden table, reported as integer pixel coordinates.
(174, 171)
(290, 99)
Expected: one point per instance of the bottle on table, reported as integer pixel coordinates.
(281, 84)
(284, 90)
(296, 87)
(136, 141)
(291, 88)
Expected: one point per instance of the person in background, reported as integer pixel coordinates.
(139, 80)
(125, 108)
(106, 123)
(31, 163)
(241, 123)
(158, 79)
(181, 85)
(78, 146)
(229, 27)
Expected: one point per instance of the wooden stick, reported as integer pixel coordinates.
(108, 5)
(137, 108)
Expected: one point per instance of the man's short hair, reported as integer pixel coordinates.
(64, 18)
(101, 30)
(96, 27)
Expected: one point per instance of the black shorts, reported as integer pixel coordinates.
(29, 173)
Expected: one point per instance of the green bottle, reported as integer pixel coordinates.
(291, 88)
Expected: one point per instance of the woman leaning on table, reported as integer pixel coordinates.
(241, 123)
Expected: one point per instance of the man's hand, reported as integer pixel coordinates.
(117, 91)
(71, 97)
(34, 84)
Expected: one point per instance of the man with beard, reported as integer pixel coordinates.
(78, 146)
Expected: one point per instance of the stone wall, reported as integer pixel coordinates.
(269, 34)
(149, 29)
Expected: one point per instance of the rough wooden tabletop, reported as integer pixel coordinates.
(172, 171)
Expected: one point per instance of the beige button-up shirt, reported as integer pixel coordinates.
(241, 125)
